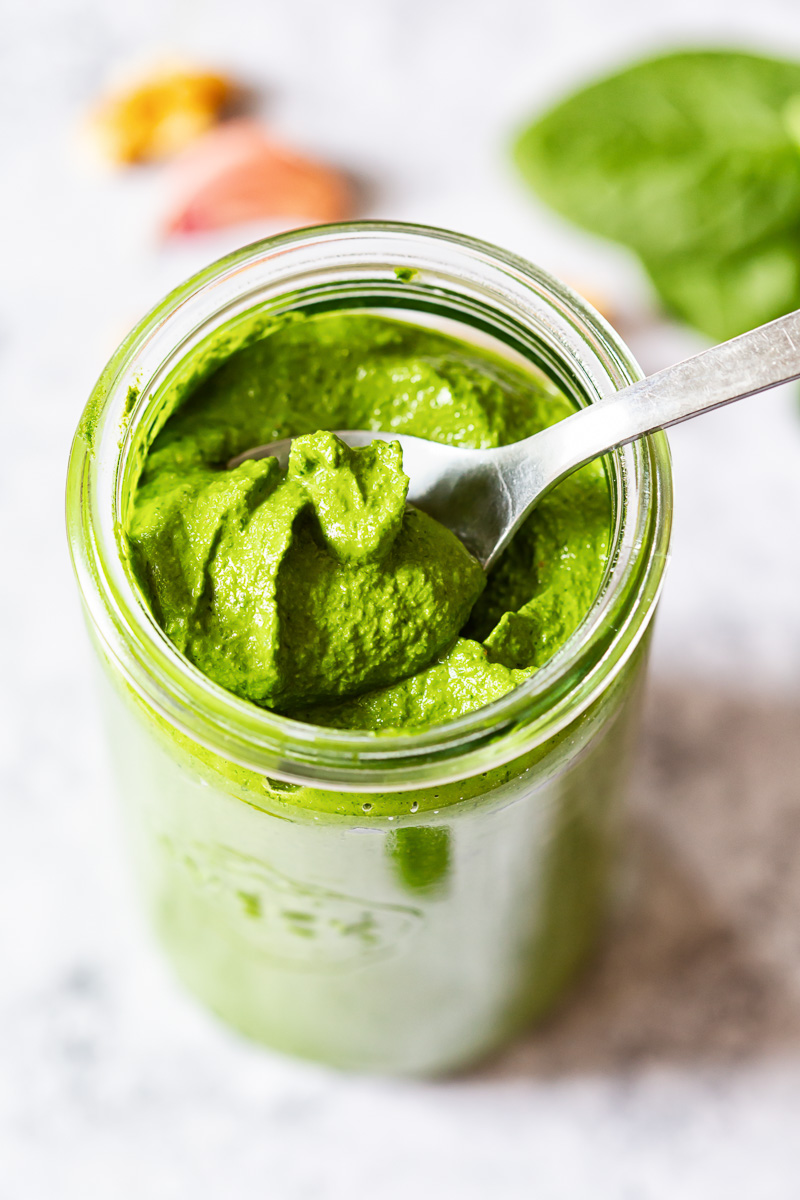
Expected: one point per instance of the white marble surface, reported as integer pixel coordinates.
(675, 1070)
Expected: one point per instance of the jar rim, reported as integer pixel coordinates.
(364, 760)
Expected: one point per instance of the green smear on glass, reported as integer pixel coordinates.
(421, 855)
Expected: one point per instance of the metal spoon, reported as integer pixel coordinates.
(484, 495)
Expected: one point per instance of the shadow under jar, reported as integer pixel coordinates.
(395, 902)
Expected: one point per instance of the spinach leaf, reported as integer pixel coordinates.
(725, 296)
(691, 159)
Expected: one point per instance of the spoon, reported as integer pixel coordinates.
(483, 496)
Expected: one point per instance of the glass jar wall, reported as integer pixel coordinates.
(401, 902)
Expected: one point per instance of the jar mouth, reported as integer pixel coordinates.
(419, 269)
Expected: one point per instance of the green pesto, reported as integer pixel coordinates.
(317, 591)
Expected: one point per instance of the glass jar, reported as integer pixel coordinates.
(398, 903)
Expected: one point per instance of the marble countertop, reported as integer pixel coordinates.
(675, 1068)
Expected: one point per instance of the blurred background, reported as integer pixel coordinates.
(675, 1068)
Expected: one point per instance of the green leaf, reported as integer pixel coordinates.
(726, 296)
(691, 153)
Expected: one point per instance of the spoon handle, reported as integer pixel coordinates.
(753, 362)
(750, 363)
